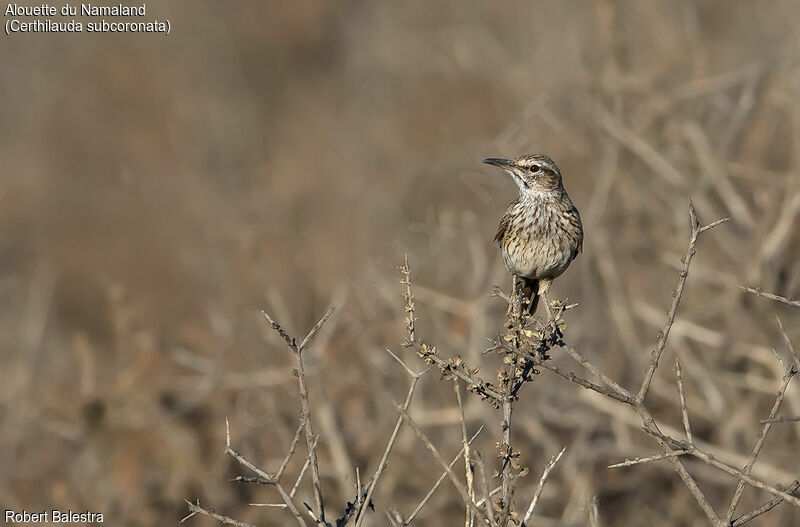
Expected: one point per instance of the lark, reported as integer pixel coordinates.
(541, 231)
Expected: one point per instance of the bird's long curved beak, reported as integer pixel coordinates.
(498, 162)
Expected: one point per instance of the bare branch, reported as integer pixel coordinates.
(682, 397)
(538, 493)
(385, 459)
(306, 408)
(507, 402)
(263, 477)
(568, 375)
(713, 224)
(277, 327)
(457, 368)
(789, 345)
(495, 491)
(673, 310)
(651, 427)
(409, 301)
(782, 419)
(572, 352)
(776, 298)
(737, 495)
(439, 481)
(487, 497)
(410, 372)
(268, 478)
(467, 456)
(505, 513)
(197, 509)
(710, 459)
(637, 402)
(297, 351)
(450, 474)
(315, 329)
(768, 506)
(359, 499)
(289, 454)
(303, 470)
(648, 459)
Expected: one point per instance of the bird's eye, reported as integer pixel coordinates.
(535, 168)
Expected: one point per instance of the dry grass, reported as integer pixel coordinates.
(157, 192)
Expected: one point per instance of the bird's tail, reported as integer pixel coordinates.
(530, 293)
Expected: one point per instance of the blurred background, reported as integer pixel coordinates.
(157, 191)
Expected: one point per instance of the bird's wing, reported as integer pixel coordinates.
(501, 230)
(574, 218)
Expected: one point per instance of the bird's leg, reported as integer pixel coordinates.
(514, 303)
(544, 287)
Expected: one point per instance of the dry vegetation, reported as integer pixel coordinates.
(524, 349)
(156, 192)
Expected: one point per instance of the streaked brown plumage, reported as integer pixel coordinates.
(541, 232)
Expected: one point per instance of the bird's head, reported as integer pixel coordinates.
(534, 174)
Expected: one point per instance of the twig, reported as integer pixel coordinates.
(359, 500)
(409, 301)
(495, 491)
(306, 407)
(637, 402)
(269, 478)
(197, 509)
(648, 459)
(777, 298)
(315, 329)
(508, 399)
(487, 497)
(507, 501)
(737, 495)
(650, 426)
(670, 320)
(768, 506)
(789, 345)
(439, 481)
(450, 474)
(297, 351)
(263, 477)
(682, 396)
(710, 459)
(385, 459)
(467, 456)
(450, 367)
(782, 419)
(568, 375)
(542, 480)
(290, 341)
(456, 367)
(289, 454)
(625, 394)
(506, 450)
(303, 470)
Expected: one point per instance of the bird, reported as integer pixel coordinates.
(541, 232)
